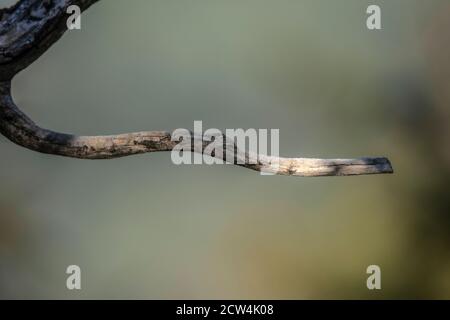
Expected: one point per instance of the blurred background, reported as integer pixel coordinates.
(141, 227)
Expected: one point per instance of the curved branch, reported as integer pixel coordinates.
(30, 27)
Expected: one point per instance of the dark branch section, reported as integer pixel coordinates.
(30, 27)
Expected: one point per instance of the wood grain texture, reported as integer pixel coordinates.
(30, 27)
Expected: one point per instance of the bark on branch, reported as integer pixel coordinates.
(30, 27)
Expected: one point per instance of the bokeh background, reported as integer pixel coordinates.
(141, 227)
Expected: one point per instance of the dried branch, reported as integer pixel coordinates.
(30, 27)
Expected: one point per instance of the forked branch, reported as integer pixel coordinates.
(30, 27)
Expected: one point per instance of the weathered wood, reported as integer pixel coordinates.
(30, 27)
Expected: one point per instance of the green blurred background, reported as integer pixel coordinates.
(141, 227)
